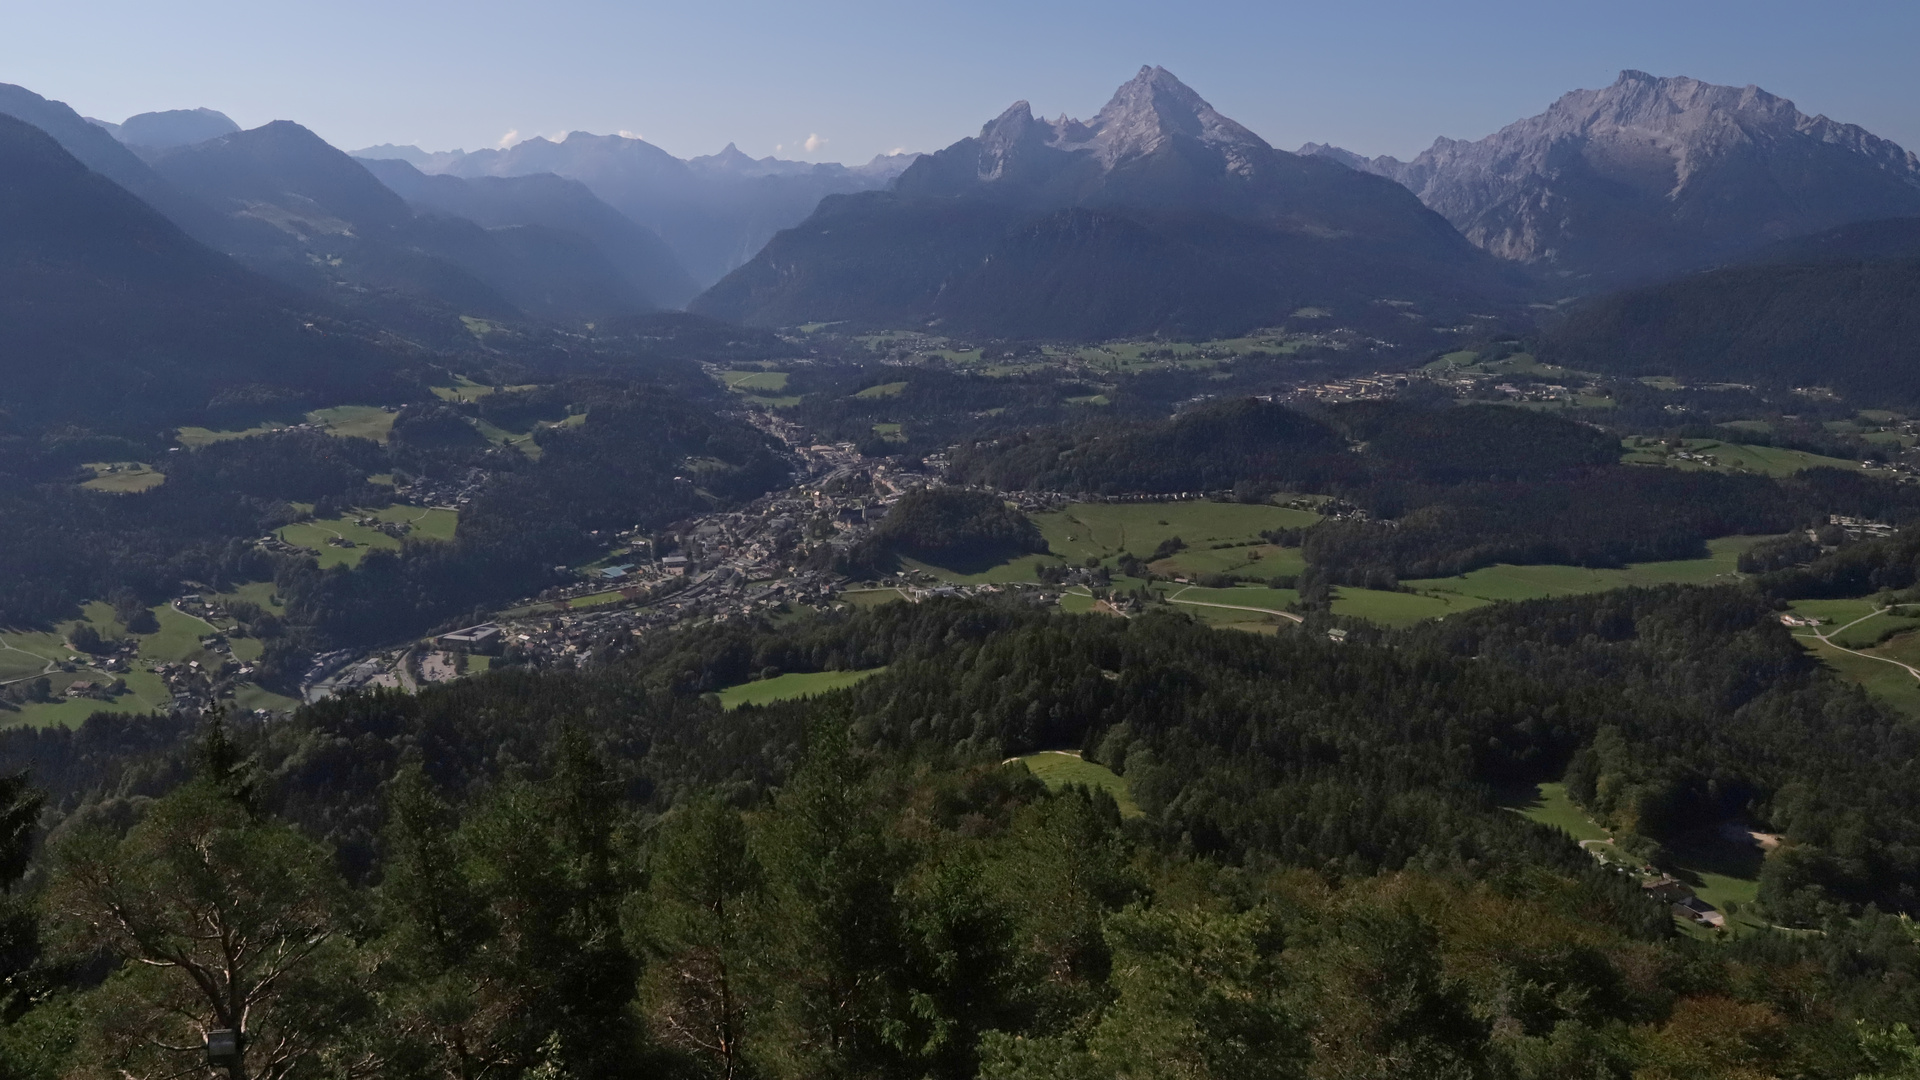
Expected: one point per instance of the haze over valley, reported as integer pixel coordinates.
(1103, 597)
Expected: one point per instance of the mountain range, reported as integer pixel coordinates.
(113, 316)
(1159, 215)
(304, 212)
(171, 127)
(548, 201)
(1653, 176)
(715, 212)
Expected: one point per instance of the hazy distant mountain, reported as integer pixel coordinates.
(111, 317)
(714, 211)
(100, 151)
(1159, 214)
(556, 203)
(174, 127)
(1653, 175)
(309, 214)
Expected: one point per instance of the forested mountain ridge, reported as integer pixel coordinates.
(94, 147)
(1650, 176)
(115, 317)
(1157, 216)
(1810, 316)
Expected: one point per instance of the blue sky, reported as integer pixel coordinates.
(858, 78)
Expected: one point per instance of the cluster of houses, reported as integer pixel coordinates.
(1680, 897)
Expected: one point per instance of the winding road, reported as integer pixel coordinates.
(1827, 640)
(1175, 599)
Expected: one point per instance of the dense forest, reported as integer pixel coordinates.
(602, 873)
(954, 527)
(1846, 324)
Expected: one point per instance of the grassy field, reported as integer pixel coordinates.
(1235, 616)
(1885, 681)
(254, 592)
(1548, 804)
(466, 390)
(123, 477)
(1082, 530)
(1252, 560)
(747, 381)
(194, 437)
(1253, 596)
(1398, 608)
(26, 653)
(891, 389)
(1719, 871)
(523, 441)
(356, 421)
(1057, 769)
(596, 600)
(1731, 457)
(790, 686)
(347, 421)
(872, 597)
(1508, 582)
(428, 524)
(1863, 628)
(1104, 530)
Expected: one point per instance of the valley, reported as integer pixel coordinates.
(1102, 598)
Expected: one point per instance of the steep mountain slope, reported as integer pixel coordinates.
(173, 127)
(310, 215)
(552, 202)
(1158, 215)
(1822, 317)
(114, 319)
(100, 151)
(1654, 175)
(715, 212)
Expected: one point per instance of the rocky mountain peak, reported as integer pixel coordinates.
(1148, 111)
(1653, 174)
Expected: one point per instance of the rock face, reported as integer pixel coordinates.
(1654, 175)
(715, 211)
(1158, 214)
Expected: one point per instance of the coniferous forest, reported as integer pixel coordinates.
(1314, 873)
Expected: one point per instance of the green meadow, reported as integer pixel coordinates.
(1731, 457)
(29, 654)
(790, 686)
(1251, 560)
(429, 523)
(1083, 530)
(123, 477)
(1057, 769)
(1399, 608)
(1505, 581)
(747, 381)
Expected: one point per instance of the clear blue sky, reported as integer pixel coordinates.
(1377, 76)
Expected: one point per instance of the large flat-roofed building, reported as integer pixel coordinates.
(473, 638)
